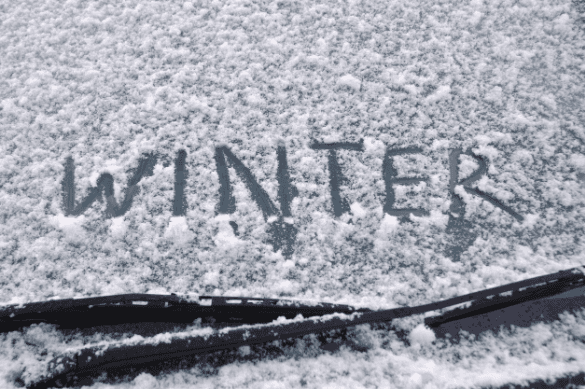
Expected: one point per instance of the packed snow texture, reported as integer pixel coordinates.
(106, 81)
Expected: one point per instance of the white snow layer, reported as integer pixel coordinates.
(106, 81)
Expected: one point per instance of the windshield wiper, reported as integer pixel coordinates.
(255, 316)
(141, 308)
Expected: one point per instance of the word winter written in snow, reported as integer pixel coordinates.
(281, 228)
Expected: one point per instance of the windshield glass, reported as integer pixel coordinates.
(373, 154)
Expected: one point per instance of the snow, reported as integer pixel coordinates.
(178, 231)
(389, 225)
(350, 81)
(118, 228)
(422, 335)
(226, 237)
(105, 82)
(442, 93)
(357, 210)
(70, 226)
(540, 352)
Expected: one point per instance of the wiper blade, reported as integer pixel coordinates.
(140, 308)
(121, 354)
(493, 299)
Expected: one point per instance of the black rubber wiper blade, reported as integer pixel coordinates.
(123, 354)
(140, 308)
(497, 298)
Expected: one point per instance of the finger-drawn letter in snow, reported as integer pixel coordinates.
(281, 222)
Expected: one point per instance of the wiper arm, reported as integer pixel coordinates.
(113, 355)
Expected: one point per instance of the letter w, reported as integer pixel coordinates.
(105, 183)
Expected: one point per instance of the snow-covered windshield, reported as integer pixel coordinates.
(375, 153)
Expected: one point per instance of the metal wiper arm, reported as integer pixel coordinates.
(114, 355)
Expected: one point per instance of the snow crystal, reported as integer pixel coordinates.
(357, 210)
(441, 93)
(578, 161)
(286, 287)
(530, 221)
(350, 81)
(72, 227)
(178, 231)
(225, 237)
(211, 278)
(118, 227)
(563, 23)
(145, 380)
(422, 335)
(389, 225)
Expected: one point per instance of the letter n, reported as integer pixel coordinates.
(283, 232)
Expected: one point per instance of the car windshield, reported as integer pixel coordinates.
(374, 155)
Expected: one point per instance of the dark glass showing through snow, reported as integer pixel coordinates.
(281, 228)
